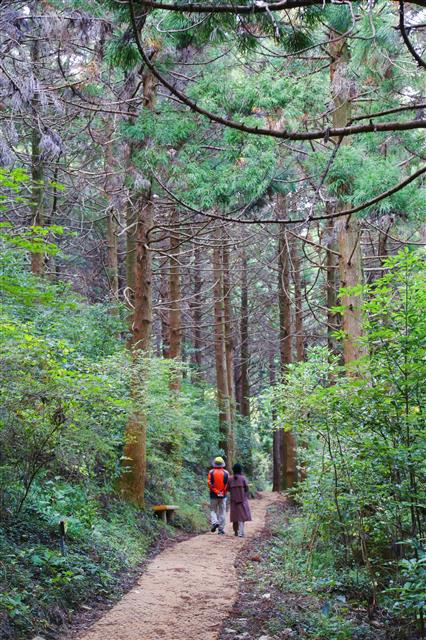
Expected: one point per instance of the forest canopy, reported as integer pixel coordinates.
(212, 243)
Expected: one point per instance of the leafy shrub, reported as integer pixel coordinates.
(65, 380)
(364, 438)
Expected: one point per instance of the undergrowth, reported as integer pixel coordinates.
(294, 587)
(65, 401)
(106, 539)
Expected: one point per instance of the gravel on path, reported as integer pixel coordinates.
(186, 592)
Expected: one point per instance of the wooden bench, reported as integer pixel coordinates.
(165, 511)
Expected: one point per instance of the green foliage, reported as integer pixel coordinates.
(376, 43)
(365, 438)
(11, 183)
(124, 55)
(31, 238)
(295, 40)
(340, 19)
(34, 239)
(309, 596)
(40, 586)
(410, 594)
(65, 399)
(358, 175)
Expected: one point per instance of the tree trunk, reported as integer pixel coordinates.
(50, 263)
(142, 276)
(175, 319)
(164, 312)
(298, 304)
(382, 248)
(350, 267)
(142, 314)
(130, 87)
(332, 264)
(112, 262)
(225, 426)
(244, 401)
(348, 229)
(244, 337)
(196, 309)
(37, 176)
(229, 340)
(133, 461)
(112, 227)
(131, 234)
(298, 323)
(133, 472)
(288, 444)
(284, 297)
(276, 435)
(130, 213)
(132, 480)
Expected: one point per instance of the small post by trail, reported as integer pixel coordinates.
(62, 535)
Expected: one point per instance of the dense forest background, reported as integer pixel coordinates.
(212, 242)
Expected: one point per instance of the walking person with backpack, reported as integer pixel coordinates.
(240, 508)
(217, 481)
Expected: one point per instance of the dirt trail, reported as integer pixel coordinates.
(186, 592)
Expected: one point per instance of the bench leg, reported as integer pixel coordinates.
(164, 516)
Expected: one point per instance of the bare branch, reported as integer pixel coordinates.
(406, 39)
(283, 134)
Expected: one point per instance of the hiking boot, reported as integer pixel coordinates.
(214, 527)
(221, 533)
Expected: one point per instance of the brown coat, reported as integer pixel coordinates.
(238, 490)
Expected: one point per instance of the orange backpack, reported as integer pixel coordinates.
(218, 482)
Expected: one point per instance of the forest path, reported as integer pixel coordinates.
(186, 592)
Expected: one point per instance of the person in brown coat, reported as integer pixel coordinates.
(240, 509)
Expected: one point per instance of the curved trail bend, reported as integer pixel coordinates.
(186, 592)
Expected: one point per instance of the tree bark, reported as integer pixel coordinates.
(332, 264)
(142, 314)
(164, 312)
(288, 443)
(131, 234)
(229, 340)
(300, 343)
(112, 246)
(284, 295)
(348, 229)
(133, 472)
(225, 426)
(298, 304)
(142, 275)
(276, 435)
(244, 338)
(131, 213)
(50, 263)
(112, 227)
(350, 268)
(196, 311)
(133, 461)
(132, 480)
(382, 247)
(37, 176)
(244, 390)
(175, 316)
